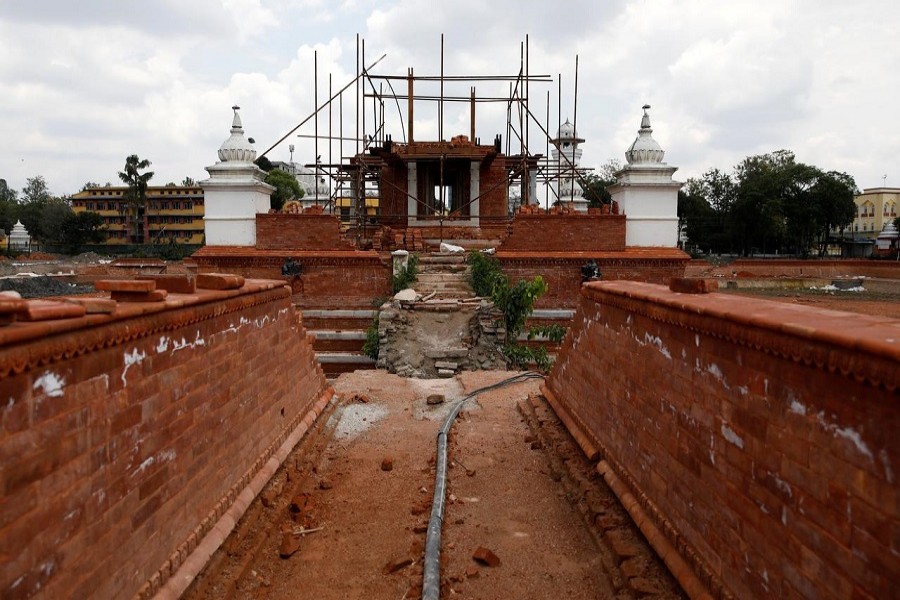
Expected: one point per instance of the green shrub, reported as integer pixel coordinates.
(484, 273)
(406, 275)
(371, 346)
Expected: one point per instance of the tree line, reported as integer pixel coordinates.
(769, 203)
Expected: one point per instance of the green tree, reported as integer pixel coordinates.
(136, 195)
(43, 218)
(286, 188)
(594, 184)
(9, 207)
(35, 190)
(83, 228)
(833, 194)
(188, 182)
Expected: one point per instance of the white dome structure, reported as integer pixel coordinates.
(646, 193)
(235, 192)
(644, 149)
(237, 148)
(567, 155)
(19, 238)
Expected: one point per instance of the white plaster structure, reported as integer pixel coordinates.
(567, 155)
(235, 192)
(19, 238)
(646, 193)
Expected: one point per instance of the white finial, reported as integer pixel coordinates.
(644, 149)
(237, 147)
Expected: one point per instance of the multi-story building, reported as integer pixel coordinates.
(171, 214)
(875, 208)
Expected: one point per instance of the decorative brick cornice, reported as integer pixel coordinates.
(860, 346)
(28, 346)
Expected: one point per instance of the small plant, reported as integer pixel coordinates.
(372, 344)
(555, 332)
(485, 273)
(520, 356)
(406, 275)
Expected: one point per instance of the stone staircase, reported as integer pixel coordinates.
(445, 274)
(338, 337)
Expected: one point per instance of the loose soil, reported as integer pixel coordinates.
(869, 303)
(510, 490)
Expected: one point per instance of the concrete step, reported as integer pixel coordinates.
(432, 278)
(442, 258)
(444, 268)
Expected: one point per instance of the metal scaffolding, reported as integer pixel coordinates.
(356, 174)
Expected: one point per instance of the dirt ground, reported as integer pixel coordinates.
(504, 494)
(869, 303)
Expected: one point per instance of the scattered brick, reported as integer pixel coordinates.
(396, 564)
(152, 296)
(175, 284)
(472, 572)
(94, 306)
(420, 528)
(434, 399)
(684, 285)
(47, 310)
(219, 281)
(486, 557)
(289, 545)
(387, 463)
(124, 285)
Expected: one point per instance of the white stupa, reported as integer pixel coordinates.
(19, 238)
(646, 192)
(566, 157)
(235, 192)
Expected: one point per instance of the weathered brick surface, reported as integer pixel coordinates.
(797, 268)
(124, 437)
(761, 437)
(566, 233)
(329, 279)
(562, 270)
(308, 231)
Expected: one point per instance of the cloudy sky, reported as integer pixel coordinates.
(84, 84)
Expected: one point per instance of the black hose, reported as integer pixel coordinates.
(431, 579)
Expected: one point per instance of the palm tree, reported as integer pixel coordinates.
(136, 195)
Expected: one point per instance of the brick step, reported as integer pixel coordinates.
(442, 258)
(444, 268)
(335, 363)
(337, 320)
(338, 341)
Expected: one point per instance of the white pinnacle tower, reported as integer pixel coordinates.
(235, 192)
(646, 192)
(566, 156)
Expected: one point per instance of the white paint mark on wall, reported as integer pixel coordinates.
(888, 471)
(697, 339)
(656, 341)
(50, 384)
(136, 357)
(783, 485)
(181, 345)
(729, 434)
(797, 408)
(848, 433)
(784, 515)
(163, 345)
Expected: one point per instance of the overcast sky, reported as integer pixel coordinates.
(84, 84)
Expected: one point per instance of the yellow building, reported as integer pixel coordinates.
(171, 214)
(875, 208)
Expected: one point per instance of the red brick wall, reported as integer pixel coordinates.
(277, 231)
(761, 438)
(563, 272)
(329, 279)
(566, 233)
(798, 268)
(492, 188)
(125, 438)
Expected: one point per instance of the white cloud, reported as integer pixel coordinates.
(82, 85)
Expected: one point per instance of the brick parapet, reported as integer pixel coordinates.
(759, 437)
(564, 232)
(299, 231)
(125, 438)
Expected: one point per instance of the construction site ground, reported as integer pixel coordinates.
(362, 484)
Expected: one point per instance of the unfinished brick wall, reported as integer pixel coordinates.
(562, 270)
(759, 438)
(565, 233)
(285, 231)
(328, 279)
(126, 436)
(797, 268)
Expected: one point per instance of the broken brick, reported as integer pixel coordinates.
(486, 557)
(396, 564)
